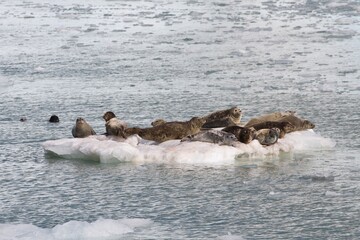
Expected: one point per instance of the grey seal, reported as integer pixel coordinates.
(213, 136)
(267, 136)
(82, 129)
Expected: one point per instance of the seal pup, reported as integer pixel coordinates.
(223, 118)
(276, 116)
(23, 119)
(213, 136)
(158, 122)
(283, 126)
(54, 119)
(243, 134)
(267, 136)
(168, 130)
(82, 129)
(114, 126)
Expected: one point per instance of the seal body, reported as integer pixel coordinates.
(114, 126)
(267, 136)
(82, 129)
(168, 130)
(298, 123)
(223, 118)
(243, 134)
(276, 116)
(213, 136)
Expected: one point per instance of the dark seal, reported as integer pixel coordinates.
(54, 119)
(243, 134)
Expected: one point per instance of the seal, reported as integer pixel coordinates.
(276, 116)
(243, 134)
(82, 129)
(158, 122)
(114, 126)
(213, 136)
(267, 136)
(283, 126)
(54, 119)
(298, 123)
(168, 130)
(223, 118)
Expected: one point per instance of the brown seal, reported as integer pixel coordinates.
(223, 118)
(168, 130)
(114, 126)
(283, 126)
(273, 117)
(298, 123)
(243, 134)
(82, 129)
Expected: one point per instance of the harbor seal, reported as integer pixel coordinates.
(82, 129)
(54, 119)
(283, 126)
(223, 118)
(243, 134)
(267, 136)
(276, 116)
(168, 130)
(213, 136)
(298, 123)
(114, 126)
(158, 122)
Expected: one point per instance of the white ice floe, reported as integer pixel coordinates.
(101, 229)
(135, 149)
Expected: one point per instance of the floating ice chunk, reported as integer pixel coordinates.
(100, 229)
(135, 149)
(230, 237)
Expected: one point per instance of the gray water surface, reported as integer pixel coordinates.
(174, 60)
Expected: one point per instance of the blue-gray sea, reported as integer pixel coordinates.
(175, 59)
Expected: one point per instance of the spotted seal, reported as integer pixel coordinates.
(276, 116)
(298, 123)
(243, 134)
(168, 130)
(213, 136)
(223, 118)
(82, 129)
(267, 136)
(114, 126)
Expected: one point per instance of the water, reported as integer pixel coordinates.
(174, 60)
